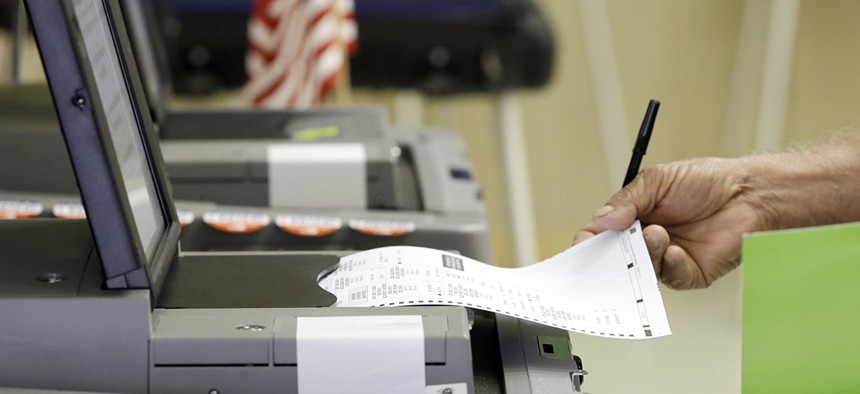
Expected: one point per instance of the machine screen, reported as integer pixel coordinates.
(147, 215)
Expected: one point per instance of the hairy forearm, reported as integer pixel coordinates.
(811, 186)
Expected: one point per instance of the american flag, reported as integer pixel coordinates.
(297, 50)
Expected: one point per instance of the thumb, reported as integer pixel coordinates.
(628, 204)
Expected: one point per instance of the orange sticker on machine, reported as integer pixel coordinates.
(69, 210)
(236, 222)
(185, 217)
(19, 209)
(382, 227)
(309, 225)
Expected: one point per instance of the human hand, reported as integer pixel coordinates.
(693, 212)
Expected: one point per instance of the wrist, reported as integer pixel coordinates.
(806, 187)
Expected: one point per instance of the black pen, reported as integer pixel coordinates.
(642, 140)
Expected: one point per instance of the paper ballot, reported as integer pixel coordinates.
(604, 286)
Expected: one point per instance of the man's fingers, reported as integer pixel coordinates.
(582, 235)
(657, 240)
(616, 215)
(633, 201)
(680, 271)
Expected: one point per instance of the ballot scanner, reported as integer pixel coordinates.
(375, 166)
(235, 178)
(114, 303)
(351, 149)
(218, 149)
(345, 167)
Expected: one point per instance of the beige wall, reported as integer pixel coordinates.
(678, 51)
(825, 94)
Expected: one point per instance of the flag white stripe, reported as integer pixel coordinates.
(296, 46)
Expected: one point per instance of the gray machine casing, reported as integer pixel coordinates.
(436, 176)
(212, 321)
(61, 330)
(421, 169)
(216, 160)
(451, 214)
(228, 165)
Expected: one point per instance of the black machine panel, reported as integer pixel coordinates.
(438, 47)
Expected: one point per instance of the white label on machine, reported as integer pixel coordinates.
(360, 354)
(326, 175)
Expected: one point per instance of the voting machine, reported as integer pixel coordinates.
(210, 151)
(447, 210)
(425, 195)
(358, 182)
(114, 304)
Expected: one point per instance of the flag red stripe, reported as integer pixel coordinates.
(290, 43)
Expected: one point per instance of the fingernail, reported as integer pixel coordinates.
(604, 210)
